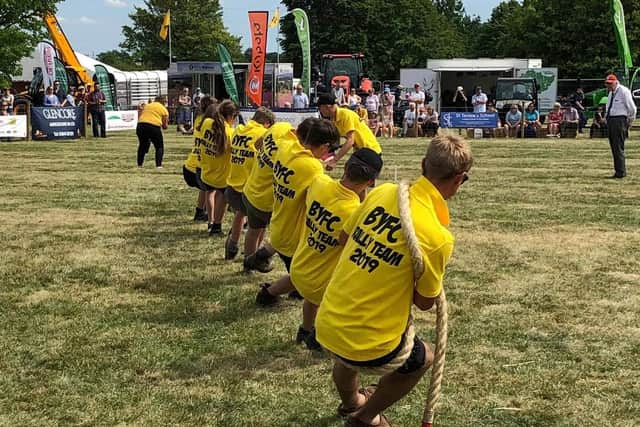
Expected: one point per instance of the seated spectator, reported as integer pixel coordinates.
(599, 125)
(554, 119)
(353, 100)
(570, 121)
(70, 100)
(512, 121)
(532, 119)
(80, 96)
(374, 124)
(409, 119)
(7, 98)
(387, 101)
(362, 113)
(386, 126)
(4, 109)
(431, 123)
(492, 133)
(50, 99)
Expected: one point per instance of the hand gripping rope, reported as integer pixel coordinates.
(442, 315)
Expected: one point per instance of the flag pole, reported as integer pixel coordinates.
(170, 37)
(278, 39)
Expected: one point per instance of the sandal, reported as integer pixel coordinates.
(354, 422)
(366, 392)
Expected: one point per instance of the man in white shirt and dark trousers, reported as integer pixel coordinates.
(479, 101)
(620, 113)
(300, 99)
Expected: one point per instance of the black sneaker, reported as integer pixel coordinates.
(264, 298)
(230, 249)
(295, 295)
(215, 229)
(251, 263)
(201, 215)
(302, 335)
(311, 342)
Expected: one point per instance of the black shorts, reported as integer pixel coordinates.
(412, 364)
(234, 198)
(255, 217)
(190, 178)
(203, 185)
(286, 260)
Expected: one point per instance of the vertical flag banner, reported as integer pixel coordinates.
(61, 75)
(275, 19)
(255, 79)
(302, 26)
(621, 34)
(102, 77)
(228, 74)
(166, 23)
(46, 58)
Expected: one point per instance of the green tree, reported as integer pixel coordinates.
(120, 59)
(196, 28)
(21, 28)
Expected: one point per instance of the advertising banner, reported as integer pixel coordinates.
(13, 126)
(284, 85)
(46, 59)
(57, 122)
(283, 115)
(547, 79)
(121, 120)
(621, 33)
(258, 24)
(469, 120)
(302, 26)
(228, 74)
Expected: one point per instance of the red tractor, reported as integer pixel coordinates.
(345, 68)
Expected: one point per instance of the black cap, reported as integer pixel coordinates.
(368, 158)
(326, 99)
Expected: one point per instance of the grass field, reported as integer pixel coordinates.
(116, 309)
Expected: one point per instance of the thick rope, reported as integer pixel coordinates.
(417, 260)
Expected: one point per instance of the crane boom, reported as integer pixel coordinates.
(63, 46)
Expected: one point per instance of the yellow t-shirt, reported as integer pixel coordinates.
(294, 170)
(215, 167)
(152, 114)
(193, 159)
(259, 186)
(367, 303)
(243, 153)
(347, 121)
(329, 204)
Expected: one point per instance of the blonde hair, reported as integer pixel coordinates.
(447, 156)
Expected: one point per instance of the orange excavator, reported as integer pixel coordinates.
(62, 45)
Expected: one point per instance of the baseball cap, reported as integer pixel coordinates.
(611, 78)
(387, 90)
(369, 159)
(326, 99)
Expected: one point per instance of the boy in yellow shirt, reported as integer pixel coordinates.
(246, 139)
(329, 205)
(355, 131)
(296, 166)
(363, 318)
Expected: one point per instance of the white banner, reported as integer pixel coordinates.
(45, 59)
(121, 120)
(13, 126)
(547, 79)
(295, 117)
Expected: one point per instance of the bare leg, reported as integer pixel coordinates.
(201, 199)
(391, 388)
(347, 384)
(219, 207)
(210, 205)
(281, 286)
(252, 240)
(309, 311)
(236, 228)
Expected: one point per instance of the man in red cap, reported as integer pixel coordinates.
(620, 113)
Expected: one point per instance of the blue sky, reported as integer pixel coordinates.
(94, 26)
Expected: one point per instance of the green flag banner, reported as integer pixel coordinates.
(228, 75)
(102, 78)
(302, 25)
(621, 34)
(61, 75)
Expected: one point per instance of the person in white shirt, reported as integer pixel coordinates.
(372, 102)
(300, 99)
(479, 101)
(620, 114)
(417, 96)
(409, 118)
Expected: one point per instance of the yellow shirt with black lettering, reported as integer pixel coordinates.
(363, 137)
(243, 153)
(329, 204)
(152, 114)
(259, 186)
(366, 305)
(215, 166)
(294, 170)
(193, 159)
